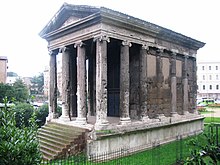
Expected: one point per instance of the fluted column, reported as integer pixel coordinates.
(81, 83)
(185, 86)
(124, 83)
(143, 82)
(101, 81)
(173, 85)
(52, 97)
(65, 82)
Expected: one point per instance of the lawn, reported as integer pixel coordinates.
(212, 120)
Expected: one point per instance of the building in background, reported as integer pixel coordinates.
(3, 69)
(11, 77)
(208, 80)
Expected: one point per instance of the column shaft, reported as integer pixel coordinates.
(65, 82)
(143, 82)
(194, 86)
(101, 81)
(53, 86)
(81, 83)
(124, 82)
(159, 73)
(173, 84)
(185, 87)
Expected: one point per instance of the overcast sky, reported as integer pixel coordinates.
(22, 20)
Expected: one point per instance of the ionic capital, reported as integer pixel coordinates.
(126, 43)
(53, 52)
(146, 47)
(159, 51)
(63, 49)
(102, 38)
(78, 44)
(173, 54)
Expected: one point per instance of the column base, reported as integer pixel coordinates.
(64, 118)
(101, 125)
(174, 117)
(126, 120)
(163, 118)
(186, 113)
(81, 121)
(146, 119)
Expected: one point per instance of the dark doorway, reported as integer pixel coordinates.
(113, 73)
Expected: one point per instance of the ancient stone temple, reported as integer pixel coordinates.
(127, 82)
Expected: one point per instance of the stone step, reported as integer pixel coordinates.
(49, 150)
(57, 139)
(58, 135)
(65, 127)
(47, 155)
(62, 131)
(52, 145)
(51, 139)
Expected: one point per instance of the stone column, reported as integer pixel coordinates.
(124, 83)
(65, 82)
(173, 85)
(185, 86)
(101, 82)
(52, 97)
(161, 116)
(143, 82)
(81, 83)
(194, 85)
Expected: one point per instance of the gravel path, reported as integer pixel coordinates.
(215, 113)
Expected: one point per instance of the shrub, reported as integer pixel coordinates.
(19, 146)
(42, 113)
(201, 109)
(23, 112)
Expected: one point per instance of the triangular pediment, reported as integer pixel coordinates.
(67, 15)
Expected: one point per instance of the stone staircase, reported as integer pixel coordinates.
(58, 140)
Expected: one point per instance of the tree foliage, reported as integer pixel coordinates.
(6, 90)
(23, 113)
(37, 84)
(20, 91)
(18, 145)
(17, 91)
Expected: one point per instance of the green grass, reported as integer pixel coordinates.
(206, 112)
(212, 119)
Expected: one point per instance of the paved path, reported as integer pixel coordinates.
(216, 112)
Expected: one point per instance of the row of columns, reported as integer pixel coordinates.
(101, 82)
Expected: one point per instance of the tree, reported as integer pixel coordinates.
(37, 84)
(6, 90)
(20, 91)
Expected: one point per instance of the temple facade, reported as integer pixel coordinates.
(122, 74)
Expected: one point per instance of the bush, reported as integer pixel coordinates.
(23, 112)
(42, 113)
(19, 146)
(201, 109)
